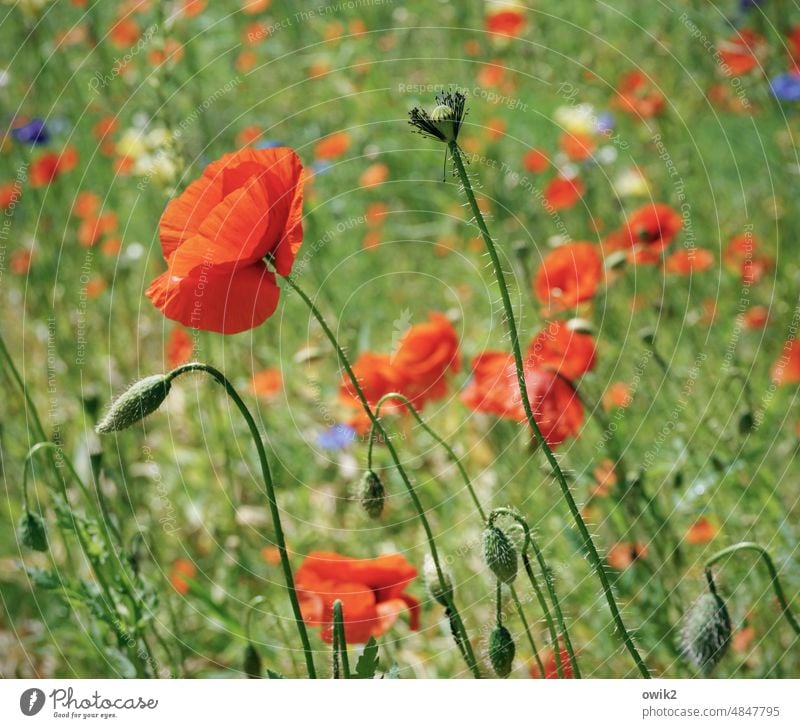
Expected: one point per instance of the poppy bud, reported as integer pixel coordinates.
(442, 593)
(140, 400)
(706, 632)
(500, 554)
(617, 260)
(746, 423)
(373, 494)
(252, 662)
(501, 651)
(648, 336)
(32, 531)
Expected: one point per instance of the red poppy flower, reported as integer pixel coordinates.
(535, 161)
(624, 555)
(740, 52)
(426, 353)
(689, 260)
(493, 389)
(218, 236)
(568, 275)
(550, 665)
(49, 166)
(654, 225)
(637, 96)
(507, 22)
(558, 347)
(372, 592)
(786, 369)
(562, 193)
(702, 531)
(577, 146)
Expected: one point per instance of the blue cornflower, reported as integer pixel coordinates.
(34, 132)
(337, 437)
(786, 87)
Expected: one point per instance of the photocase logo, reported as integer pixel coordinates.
(31, 701)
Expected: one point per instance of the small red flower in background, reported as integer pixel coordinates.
(49, 166)
(637, 96)
(568, 275)
(551, 666)
(654, 225)
(181, 574)
(740, 52)
(689, 260)
(426, 354)
(493, 389)
(535, 161)
(333, 146)
(267, 382)
(700, 532)
(506, 21)
(577, 146)
(786, 369)
(558, 347)
(372, 592)
(561, 193)
(245, 210)
(624, 555)
(179, 348)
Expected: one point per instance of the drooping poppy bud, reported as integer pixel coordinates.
(706, 632)
(372, 494)
(140, 400)
(500, 554)
(501, 651)
(442, 593)
(252, 662)
(32, 531)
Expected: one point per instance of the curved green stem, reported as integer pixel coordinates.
(773, 574)
(590, 550)
(269, 488)
(455, 617)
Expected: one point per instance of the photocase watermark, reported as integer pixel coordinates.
(101, 80)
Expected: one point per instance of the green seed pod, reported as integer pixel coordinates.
(252, 662)
(706, 632)
(442, 593)
(501, 651)
(32, 531)
(140, 400)
(500, 554)
(373, 494)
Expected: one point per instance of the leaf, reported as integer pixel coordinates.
(272, 675)
(367, 664)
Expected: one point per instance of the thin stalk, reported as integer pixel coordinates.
(269, 489)
(590, 550)
(455, 617)
(475, 500)
(773, 574)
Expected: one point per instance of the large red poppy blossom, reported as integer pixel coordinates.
(654, 225)
(493, 389)
(222, 234)
(558, 347)
(568, 275)
(372, 592)
(425, 355)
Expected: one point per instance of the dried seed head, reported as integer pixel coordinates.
(444, 122)
(442, 593)
(706, 632)
(500, 554)
(501, 651)
(372, 494)
(140, 400)
(32, 531)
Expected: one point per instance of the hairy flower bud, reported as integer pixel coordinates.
(501, 651)
(500, 554)
(372, 495)
(32, 531)
(140, 400)
(706, 632)
(442, 593)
